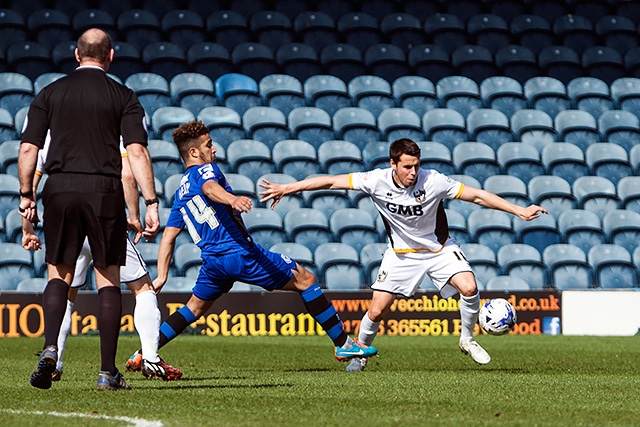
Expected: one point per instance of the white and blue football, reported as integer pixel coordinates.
(497, 316)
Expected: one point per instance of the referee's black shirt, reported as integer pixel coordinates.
(87, 112)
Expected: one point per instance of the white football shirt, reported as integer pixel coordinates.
(414, 217)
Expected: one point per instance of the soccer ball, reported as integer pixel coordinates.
(497, 316)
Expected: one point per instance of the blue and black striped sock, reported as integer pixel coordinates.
(175, 324)
(325, 314)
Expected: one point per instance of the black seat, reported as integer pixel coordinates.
(517, 62)
(618, 32)
(548, 9)
(336, 8)
(139, 27)
(228, 28)
(575, 32)
(126, 60)
(387, 61)
(299, 60)
(604, 63)
(593, 10)
(255, 60)
(208, 58)
(246, 7)
(342, 60)
(430, 61)
(13, 28)
(164, 58)
(292, 8)
(403, 30)
(29, 58)
(183, 27)
(359, 29)
(421, 9)
(489, 31)
(533, 32)
(317, 29)
(94, 18)
(49, 27)
(446, 31)
(63, 55)
(560, 62)
(380, 8)
(475, 62)
(271, 28)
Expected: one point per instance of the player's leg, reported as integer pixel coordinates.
(183, 317)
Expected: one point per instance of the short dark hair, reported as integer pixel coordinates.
(403, 146)
(95, 44)
(186, 135)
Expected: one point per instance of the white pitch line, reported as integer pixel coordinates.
(137, 422)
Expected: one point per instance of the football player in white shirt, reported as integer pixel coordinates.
(409, 200)
(134, 274)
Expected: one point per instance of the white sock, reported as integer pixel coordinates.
(469, 308)
(65, 328)
(146, 318)
(368, 330)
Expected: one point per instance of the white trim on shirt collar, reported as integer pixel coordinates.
(89, 66)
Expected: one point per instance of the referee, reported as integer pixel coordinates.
(86, 113)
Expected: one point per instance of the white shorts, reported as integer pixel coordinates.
(133, 269)
(402, 273)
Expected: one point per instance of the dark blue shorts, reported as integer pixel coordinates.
(256, 266)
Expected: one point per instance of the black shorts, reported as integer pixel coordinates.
(78, 206)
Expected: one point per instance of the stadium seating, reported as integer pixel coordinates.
(430, 61)
(476, 159)
(316, 29)
(608, 160)
(590, 94)
(533, 127)
(152, 90)
(210, 59)
(415, 93)
(504, 94)
(370, 257)
(238, 92)
(250, 158)
(482, 260)
(327, 92)
(596, 194)
(613, 267)
(622, 228)
(193, 91)
(396, 123)
(296, 158)
(15, 265)
(459, 93)
(581, 228)
(339, 266)
(311, 124)
(520, 160)
(354, 227)
(433, 155)
(490, 228)
(620, 127)
(568, 267)
(283, 92)
(265, 124)
(525, 262)
(445, 126)
(508, 187)
(490, 127)
(308, 227)
(629, 192)
(271, 28)
(356, 125)
(265, 226)
(565, 160)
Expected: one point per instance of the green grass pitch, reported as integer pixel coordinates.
(295, 381)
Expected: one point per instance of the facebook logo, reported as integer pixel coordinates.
(551, 325)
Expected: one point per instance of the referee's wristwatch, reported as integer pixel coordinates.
(27, 194)
(148, 202)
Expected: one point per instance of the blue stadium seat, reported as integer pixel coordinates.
(507, 284)
(34, 285)
(415, 93)
(524, 262)
(15, 265)
(490, 127)
(178, 284)
(568, 267)
(316, 29)
(359, 29)
(44, 79)
(29, 58)
(354, 227)
(613, 267)
(308, 227)
(552, 193)
(152, 90)
(298, 60)
(342, 60)
(608, 160)
(617, 32)
(622, 228)
(241, 185)
(445, 126)
(482, 260)
(166, 119)
(296, 158)
(339, 266)
(565, 160)
(547, 94)
(193, 91)
(224, 124)
(356, 125)
(372, 93)
(446, 30)
(282, 92)
(625, 92)
(575, 32)
(238, 92)
(596, 194)
(250, 158)
(165, 159)
(7, 128)
(183, 27)
(433, 155)
(504, 94)
(474, 62)
(209, 58)
(629, 193)
(375, 155)
(16, 91)
(396, 123)
(533, 127)
(403, 30)
(339, 157)
(9, 157)
(517, 62)
(590, 94)
(327, 92)
(126, 60)
(370, 257)
(187, 259)
(430, 61)
(297, 252)
(265, 226)
(491, 228)
(581, 228)
(577, 127)
(539, 233)
(63, 56)
(9, 193)
(271, 28)
(459, 93)
(311, 124)
(532, 31)
(604, 63)
(228, 28)
(508, 187)
(458, 226)
(293, 201)
(265, 124)
(139, 27)
(386, 61)
(620, 127)
(476, 159)
(520, 160)
(327, 201)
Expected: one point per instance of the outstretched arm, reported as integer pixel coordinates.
(218, 194)
(493, 201)
(276, 192)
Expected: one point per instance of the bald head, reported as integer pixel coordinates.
(94, 47)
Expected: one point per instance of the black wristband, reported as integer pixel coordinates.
(151, 201)
(28, 194)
